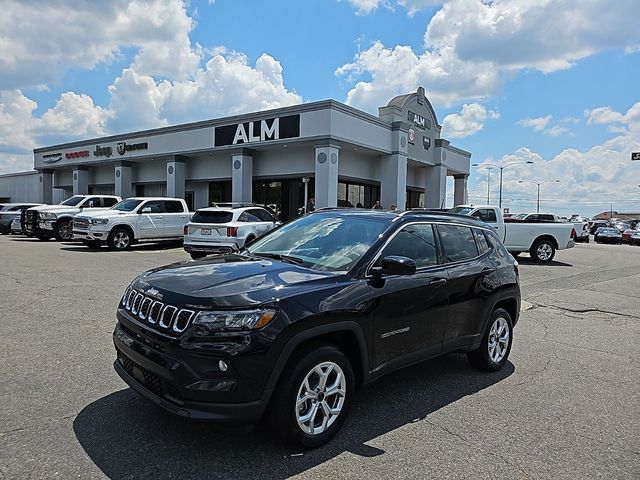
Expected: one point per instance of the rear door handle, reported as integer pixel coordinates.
(488, 271)
(437, 282)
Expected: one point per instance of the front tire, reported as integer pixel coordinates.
(119, 239)
(496, 342)
(542, 251)
(313, 396)
(43, 236)
(91, 243)
(62, 231)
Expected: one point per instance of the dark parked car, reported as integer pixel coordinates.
(635, 238)
(11, 211)
(291, 326)
(608, 235)
(599, 224)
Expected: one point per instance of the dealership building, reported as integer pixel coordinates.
(333, 152)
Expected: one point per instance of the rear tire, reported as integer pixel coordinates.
(120, 239)
(494, 349)
(197, 255)
(62, 231)
(302, 393)
(542, 251)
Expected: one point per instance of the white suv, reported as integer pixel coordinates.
(223, 229)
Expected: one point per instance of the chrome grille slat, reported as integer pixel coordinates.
(168, 318)
(144, 308)
(136, 304)
(182, 320)
(154, 313)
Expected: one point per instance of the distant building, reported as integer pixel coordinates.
(333, 152)
(618, 215)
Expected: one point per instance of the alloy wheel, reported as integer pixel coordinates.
(320, 398)
(121, 240)
(544, 251)
(498, 339)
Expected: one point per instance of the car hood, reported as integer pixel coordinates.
(230, 281)
(102, 212)
(60, 209)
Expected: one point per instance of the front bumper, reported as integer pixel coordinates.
(90, 235)
(185, 383)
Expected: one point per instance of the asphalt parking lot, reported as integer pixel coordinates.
(566, 405)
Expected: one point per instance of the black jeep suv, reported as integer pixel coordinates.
(297, 321)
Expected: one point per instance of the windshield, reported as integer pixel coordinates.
(73, 201)
(323, 241)
(461, 210)
(128, 205)
(220, 216)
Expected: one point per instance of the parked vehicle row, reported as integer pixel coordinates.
(10, 215)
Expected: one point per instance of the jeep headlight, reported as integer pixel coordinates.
(48, 216)
(235, 320)
(99, 221)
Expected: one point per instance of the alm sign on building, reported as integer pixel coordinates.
(258, 131)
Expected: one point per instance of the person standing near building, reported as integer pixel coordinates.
(311, 205)
(394, 207)
(377, 206)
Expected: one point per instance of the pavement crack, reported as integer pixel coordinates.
(488, 452)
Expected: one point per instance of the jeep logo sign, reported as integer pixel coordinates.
(258, 131)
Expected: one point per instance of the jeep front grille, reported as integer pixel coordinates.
(165, 318)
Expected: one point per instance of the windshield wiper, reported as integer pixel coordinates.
(279, 256)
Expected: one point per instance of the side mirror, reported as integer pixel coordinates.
(395, 265)
(145, 210)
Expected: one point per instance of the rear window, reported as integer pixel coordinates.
(458, 243)
(486, 214)
(212, 217)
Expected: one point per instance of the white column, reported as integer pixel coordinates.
(460, 193)
(80, 181)
(242, 177)
(393, 181)
(175, 178)
(435, 186)
(45, 190)
(326, 171)
(123, 186)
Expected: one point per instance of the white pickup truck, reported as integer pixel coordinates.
(48, 221)
(133, 220)
(540, 239)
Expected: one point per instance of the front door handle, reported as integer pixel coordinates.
(437, 282)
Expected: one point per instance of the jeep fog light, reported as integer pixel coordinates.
(222, 365)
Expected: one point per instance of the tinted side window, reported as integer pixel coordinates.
(416, 242)
(458, 243)
(109, 201)
(156, 206)
(247, 217)
(172, 206)
(92, 202)
(486, 214)
(496, 244)
(481, 241)
(261, 214)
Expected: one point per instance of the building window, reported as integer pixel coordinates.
(219, 192)
(139, 190)
(358, 195)
(415, 199)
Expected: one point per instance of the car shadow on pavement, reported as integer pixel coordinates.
(553, 263)
(129, 437)
(142, 247)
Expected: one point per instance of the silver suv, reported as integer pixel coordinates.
(225, 228)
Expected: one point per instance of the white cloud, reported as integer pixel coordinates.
(472, 46)
(538, 124)
(468, 122)
(557, 130)
(365, 7)
(602, 115)
(39, 41)
(586, 176)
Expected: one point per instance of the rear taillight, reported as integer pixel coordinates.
(185, 230)
(232, 231)
(573, 233)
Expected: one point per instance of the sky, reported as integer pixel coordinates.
(555, 82)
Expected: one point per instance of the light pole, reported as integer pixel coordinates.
(501, 169)
(488, 183)
(538, 184)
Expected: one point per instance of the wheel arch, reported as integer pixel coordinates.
(124, 226)
(347, 335)
(551, 238)
(511, 306)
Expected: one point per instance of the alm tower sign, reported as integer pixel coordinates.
(258, 131)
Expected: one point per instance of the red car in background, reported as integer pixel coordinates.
(626, 235)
